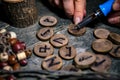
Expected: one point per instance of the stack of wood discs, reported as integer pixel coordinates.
(20, 13)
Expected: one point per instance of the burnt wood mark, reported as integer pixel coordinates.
(99, 63)
(58, 40)
(43, 49)
(48, 20)
(70, 52)
(84, 58)
(116, 50)
(52, 61)
(45, 33)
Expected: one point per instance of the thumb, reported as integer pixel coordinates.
(80, 10)
(116, 5)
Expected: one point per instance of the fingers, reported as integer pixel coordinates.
(114, 18)
(56, 3)
(74, 8)
(80, 10)
(68, 6)
(116, 5)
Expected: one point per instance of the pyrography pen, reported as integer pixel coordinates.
(104, 10)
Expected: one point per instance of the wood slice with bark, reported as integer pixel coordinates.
(20, 13)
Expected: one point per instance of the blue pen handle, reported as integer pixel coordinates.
(104, 10)
(106, 7)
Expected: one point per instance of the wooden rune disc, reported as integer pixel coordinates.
(101, 33)
(45, 33)
(115, 38)
(102, 45)
(43, 49)
(52, 63)
(115, 52)
(84, 60)
(75, 32)
(59, 40)
(13, 1)
(67, 52)
(102, 63)
(48, 21)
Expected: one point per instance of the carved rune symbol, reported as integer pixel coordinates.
(99, 63)
(45, 33)
(84, 58)
(117, 50)
(69, 53)
(49, 20)
(52, 61)
(43, 49)
(59, 40)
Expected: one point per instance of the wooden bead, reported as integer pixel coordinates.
(11, 77)
(3, 57)
(16, 66)
(8, 68)
(21, 55)
(12, 59)
(23, 62)
(23, 44)
(12, 35)
(28, 53)
(3, 64)
(18, 46)
(13, 41)
(2, 30)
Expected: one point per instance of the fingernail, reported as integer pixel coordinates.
(117, 6)
(111, 20)
(77, 20)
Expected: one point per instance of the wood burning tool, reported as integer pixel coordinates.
(104, 10)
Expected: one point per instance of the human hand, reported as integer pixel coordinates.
(114, 17)
(74, 8)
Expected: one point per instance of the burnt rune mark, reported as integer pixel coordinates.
(48, 20)
(84, 58)
(99, 63)
(52, 61)
(69, 53)
(58, 40)
(43, 49)
(116, 50)
(45, 33)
